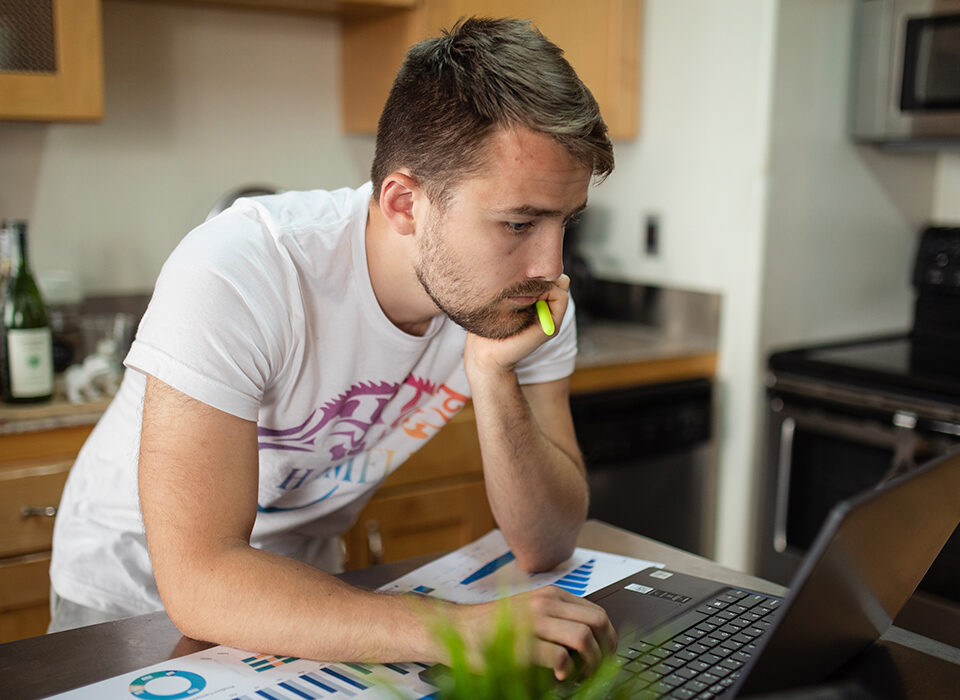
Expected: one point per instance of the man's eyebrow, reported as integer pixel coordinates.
(527, 210)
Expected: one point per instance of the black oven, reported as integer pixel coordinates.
(845, 417)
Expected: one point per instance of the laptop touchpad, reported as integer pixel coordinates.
(630, 611)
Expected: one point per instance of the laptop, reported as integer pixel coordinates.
(684, 636)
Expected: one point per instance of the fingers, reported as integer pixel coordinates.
(568, 633)
(565, 625)
(557, 298)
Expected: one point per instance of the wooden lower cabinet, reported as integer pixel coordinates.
(434, 502)
(428, 520)
(33, 469)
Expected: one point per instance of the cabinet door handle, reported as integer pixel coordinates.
(374, 543)
(38, 511)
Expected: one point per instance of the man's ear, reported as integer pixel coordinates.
(398, 194)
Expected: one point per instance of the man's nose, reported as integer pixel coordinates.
(546, 255)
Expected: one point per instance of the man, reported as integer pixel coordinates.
(290, 343)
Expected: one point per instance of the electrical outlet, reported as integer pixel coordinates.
(651, 235)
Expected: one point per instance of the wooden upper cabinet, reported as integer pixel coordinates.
(51, 60)
(599, 38)
(337, 8)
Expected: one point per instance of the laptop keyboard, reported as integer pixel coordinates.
(699, 654)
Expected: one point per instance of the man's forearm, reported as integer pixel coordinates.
(259, 601)
(537, 489)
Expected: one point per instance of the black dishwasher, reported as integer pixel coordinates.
(650, 460)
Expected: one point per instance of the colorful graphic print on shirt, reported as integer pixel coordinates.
(366, 432)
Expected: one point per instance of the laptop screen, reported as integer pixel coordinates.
(865, 564)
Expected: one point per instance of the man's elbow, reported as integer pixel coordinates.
(535, 562)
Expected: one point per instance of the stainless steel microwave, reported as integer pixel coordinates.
(906, 74)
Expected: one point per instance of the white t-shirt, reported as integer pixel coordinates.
(267, 312)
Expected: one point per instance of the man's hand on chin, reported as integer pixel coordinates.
(497, 356)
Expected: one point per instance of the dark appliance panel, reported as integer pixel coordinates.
(650, 460)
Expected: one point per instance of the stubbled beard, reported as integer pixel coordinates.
(488, 320)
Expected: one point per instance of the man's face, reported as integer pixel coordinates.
(497, 246)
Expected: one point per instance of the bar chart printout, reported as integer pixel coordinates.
(224, 673)
(486, 570)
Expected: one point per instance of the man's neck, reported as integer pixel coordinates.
(390, 263)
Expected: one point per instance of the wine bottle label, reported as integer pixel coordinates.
(30, 354)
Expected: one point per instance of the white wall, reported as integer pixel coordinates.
(946, 205)
(700, 163)
(198, 101)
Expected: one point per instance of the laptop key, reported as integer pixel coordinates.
(751, 600)
(674, 662)
(682, 694)
(673, 680)
(660, 688)
(661, 670)
(732, 664)
(649, 676)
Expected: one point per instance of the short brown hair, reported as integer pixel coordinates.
(453, 91)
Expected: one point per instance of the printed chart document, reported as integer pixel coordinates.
(485, 570)
(481, 571)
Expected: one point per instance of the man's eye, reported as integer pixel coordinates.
(518, 227)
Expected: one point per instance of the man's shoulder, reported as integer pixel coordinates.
(315, 210)
(277, 226)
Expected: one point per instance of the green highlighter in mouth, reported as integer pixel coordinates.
(546, 320)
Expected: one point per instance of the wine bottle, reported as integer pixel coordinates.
(26, 365)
